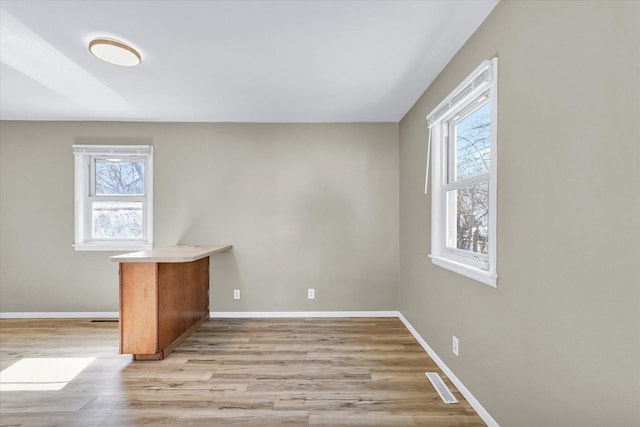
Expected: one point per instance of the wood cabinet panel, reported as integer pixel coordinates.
(139, 308)
(183, 290)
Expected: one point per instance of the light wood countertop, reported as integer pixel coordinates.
(178, 253)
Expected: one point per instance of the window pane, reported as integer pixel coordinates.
(117, 220)
(468, 218)
(125, 177)
(473, 143)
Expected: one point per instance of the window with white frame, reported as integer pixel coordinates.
(462, 134)
(113, 197)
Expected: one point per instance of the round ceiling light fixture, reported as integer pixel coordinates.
(115, 52)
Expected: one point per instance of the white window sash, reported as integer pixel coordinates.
(473, 86)
(462, 101)
(84, 190)
(469, 181)
(121, 158)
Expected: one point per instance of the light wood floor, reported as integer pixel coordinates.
(249, 372)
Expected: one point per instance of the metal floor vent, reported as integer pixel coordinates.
(441, 388)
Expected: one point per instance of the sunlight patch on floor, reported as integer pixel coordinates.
(42, 374)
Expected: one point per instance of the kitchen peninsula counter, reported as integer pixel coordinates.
(164, 297)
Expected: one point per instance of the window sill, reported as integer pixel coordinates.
(477, 274)
(112, 247)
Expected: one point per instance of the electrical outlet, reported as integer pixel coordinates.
(311, 293)
(236, 294)
(455, 345)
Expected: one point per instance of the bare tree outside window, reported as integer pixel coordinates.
(119, 177)
(473, 219)
(473, 157)
(473, 143)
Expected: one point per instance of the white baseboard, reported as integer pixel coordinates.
(213, 314)
(486, 417)
(297, 314)
(60, 315)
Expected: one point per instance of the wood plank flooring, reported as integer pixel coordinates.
(249, 372)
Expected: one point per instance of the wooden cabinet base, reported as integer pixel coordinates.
(161, 304)
(161, 355)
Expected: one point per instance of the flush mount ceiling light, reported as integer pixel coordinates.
(115, 52)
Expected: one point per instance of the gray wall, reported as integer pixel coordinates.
(305, 206)
(558, 342)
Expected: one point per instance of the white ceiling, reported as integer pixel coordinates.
(228, 61)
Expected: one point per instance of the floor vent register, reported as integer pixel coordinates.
(441, 387)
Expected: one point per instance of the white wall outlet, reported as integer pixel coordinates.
(311, 293)
(455, 345)
(236, 294)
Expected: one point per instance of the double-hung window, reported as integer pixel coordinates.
(113, 197)
(462, 133)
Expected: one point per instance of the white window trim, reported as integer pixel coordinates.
(481, 268)
(84, 154)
